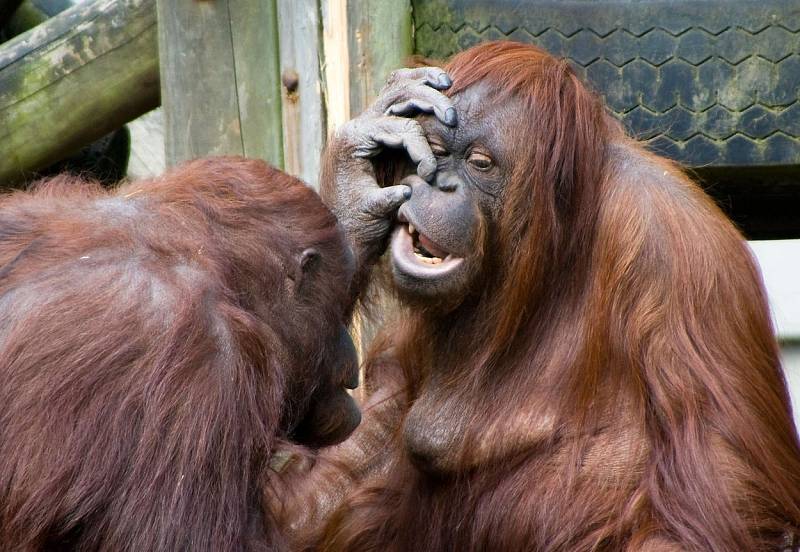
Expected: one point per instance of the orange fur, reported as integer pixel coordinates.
(616, 385)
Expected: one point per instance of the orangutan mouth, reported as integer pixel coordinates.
(425, 250)
(417, 254)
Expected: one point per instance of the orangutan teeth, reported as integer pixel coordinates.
(410, 228)
(427, 260)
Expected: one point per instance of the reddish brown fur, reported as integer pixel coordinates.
(151, 353)
(616, 386)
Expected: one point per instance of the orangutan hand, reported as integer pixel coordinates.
(349, 184)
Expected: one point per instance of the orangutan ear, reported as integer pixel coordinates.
(306, 266)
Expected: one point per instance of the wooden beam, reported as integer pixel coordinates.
(255, 46)
(380, 40)
(73, 79)
(220, 79)
(303, 106)
(147, 146)
(336, 63)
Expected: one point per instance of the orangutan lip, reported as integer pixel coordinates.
(413, 258)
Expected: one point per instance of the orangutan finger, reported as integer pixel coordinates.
(445, 113)
(408, 134)
(383, 201)
(435, 77)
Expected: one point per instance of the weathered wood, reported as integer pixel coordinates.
(336, 64)
(147, 145)
(73, 79)
(304, 126)
(380, 39)
(255, 46)
(198, 80)
(220, 79)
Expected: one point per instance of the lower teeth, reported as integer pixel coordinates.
(429, 260)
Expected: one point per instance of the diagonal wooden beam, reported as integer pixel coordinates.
(73, 79)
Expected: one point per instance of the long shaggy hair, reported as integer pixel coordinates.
(613, 384)
(150, 355)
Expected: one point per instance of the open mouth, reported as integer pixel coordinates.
(424, 249)
(417, 255)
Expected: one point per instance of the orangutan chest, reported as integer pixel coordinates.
(433, 433)
(440, 436)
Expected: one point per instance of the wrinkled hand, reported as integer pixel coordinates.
(348, 181)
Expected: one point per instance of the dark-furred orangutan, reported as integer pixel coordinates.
(157, 343)
(584, 359)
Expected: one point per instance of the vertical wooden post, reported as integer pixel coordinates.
(380, 39)
(304, 127)
(220, 82)
(254, 25)
(336, 62)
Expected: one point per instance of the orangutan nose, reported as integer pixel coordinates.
(447, 182)
(416, 184)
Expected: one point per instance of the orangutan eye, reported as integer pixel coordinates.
(480, 161)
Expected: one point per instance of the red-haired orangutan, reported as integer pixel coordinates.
(584, 361)
(156, 344)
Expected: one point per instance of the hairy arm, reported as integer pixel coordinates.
(308, 491)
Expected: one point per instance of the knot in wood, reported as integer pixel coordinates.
(290, 80)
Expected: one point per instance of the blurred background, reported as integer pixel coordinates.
(780, 265)
(126, 88)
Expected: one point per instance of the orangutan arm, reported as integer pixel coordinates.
(310, 490)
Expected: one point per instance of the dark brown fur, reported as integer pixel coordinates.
(153, 353)
(613, 384)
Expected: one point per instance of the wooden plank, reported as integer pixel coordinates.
(336, 63)
(147, 146)
(73, 79)
(304, 115)
(380, 40)
(255, 44)
(220, 81)
(198, 80)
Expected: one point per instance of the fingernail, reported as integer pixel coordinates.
(450, 117)
(445, 81)
(407, 193)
